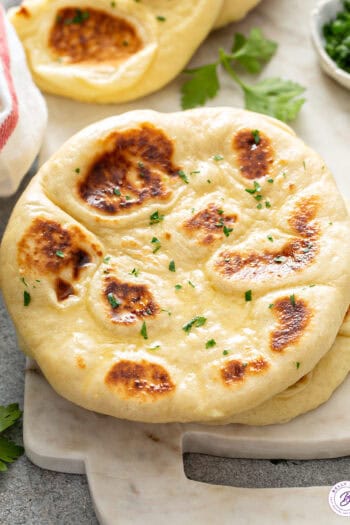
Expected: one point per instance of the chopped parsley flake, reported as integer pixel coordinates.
(268, 204)
(258, 197)
(161, 18)
(60, 253)
(26, 298)
(143, 330)
(194, 172)
(292, 299)
(113, 301)
(270, 238)
(191, 284)
(210, 343)
(225, 352)
(77, 170)
(259, 206)
(79, 17)
(135, 271)
(195, 322)
(256, 136)
(248, 295)
(116, 191)
(178, 286)
(271, 305)
(217, 158)
(24, 281)
(155, 218)
(127, 197)
(297, 364)
(172, 266)
(183, 176)
(220, 212)
(107, 259)
(208, 181)
(227, 231)
(166, 311)
(113, 4)
(157, 245)
(256, 188)
(270, 181)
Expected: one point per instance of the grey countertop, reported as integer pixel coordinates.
(32, 496)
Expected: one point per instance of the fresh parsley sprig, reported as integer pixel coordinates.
(277, 97)
(9, 451)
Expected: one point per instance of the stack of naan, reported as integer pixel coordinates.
(190, 266)
(114, 51)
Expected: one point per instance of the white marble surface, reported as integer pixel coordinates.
(135, 471)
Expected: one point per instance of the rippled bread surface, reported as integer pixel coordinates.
(234, 10)
(105, 51)
(179, 267)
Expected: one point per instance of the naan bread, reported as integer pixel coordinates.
(310, 391)
(104, 51)
(161, 290)
(234, 10)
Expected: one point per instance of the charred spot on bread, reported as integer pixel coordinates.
(139, 379)
(136, 166)
(255, 158)
(128, 302)
(235, 370)
(293, 319)
(94, 36)
(209, 224)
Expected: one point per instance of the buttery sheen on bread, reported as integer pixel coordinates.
(178, 267)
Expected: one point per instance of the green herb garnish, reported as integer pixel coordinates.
(225, 352)
(183, 176)
(292, 299)
(210, 343)
(79, 17)
(191, 284)
(256, 188)
(155, 218)
(161, 18)
(60, 254)
(297, 364)
(157, 245)
(77, 170)
(217, 158)
(178, 286)
(227, 231)
(135, 272)
(280, 259)
(256, 136)
(195, 322)
(143, 330)
(9, 451)
(113, 300)
(26, 298)
(172, 266)
(248, 295)
(116, 191)
(107, 259)
(273, 96)
(270, 238)
(337, 37)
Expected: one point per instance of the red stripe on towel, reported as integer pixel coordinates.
(9, 124)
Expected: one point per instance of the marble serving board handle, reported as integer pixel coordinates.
(135, 470)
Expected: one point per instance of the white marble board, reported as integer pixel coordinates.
(135, 471)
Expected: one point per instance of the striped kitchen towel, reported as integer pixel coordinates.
(23, 113)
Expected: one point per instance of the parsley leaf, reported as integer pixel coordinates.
(202, 86)
(195, 322)
(276, 97)
(210, 343)
(253, 51)
(9, 452)
(143, 330)
(155, 217)
(9, 415)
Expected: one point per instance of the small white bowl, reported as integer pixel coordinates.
(324, 12)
